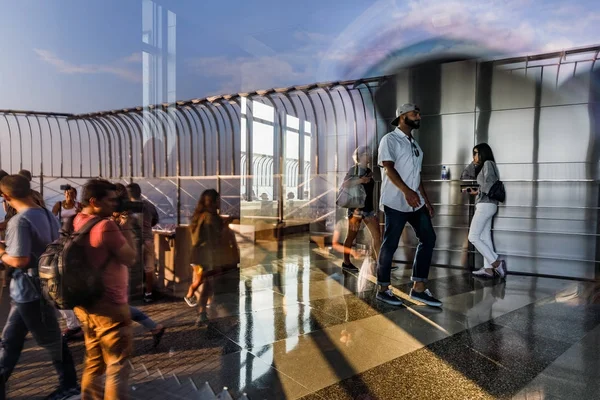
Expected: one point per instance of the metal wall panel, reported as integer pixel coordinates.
(560, 246)
(509, 136)
(446, 140)
(565, 135)
(542, 153)
(511, 90)
(458, 87)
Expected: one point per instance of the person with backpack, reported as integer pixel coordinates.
(29, 231)
(486, 206)
(149, 220)
(109, 249)
(9, 211)
(213, 248)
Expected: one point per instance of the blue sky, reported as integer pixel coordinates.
(82, 56)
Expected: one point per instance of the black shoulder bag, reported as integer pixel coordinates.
(497, 191)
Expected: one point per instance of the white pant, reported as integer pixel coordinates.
(480, 232)
(69, 316)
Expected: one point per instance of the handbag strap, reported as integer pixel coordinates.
(497, 173)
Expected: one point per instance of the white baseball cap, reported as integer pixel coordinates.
(403, 109)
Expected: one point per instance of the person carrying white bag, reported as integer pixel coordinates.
(359, 186)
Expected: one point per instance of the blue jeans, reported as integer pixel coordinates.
(39, 319)
(394, 225)
(142, 319)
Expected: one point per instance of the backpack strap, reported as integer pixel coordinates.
(88, 226)
(496, 169)
(85, 229)
(50, 217)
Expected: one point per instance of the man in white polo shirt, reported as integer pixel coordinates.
(403, 199)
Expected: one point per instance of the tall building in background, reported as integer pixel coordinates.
(159, 52)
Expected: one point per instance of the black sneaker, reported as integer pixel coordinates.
(349, 267)
(148, 298)
(425, 297)
(156, 337)
(388, 297)
(202, 320)
(72, 334)
(64, 394)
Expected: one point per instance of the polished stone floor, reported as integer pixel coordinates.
(291, 324)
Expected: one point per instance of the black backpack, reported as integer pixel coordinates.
(67, 278)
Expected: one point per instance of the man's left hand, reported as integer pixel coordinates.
(430, 209)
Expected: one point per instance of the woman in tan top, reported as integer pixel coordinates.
(213, 247)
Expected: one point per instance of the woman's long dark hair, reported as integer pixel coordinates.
(485, 154)
(208, 201)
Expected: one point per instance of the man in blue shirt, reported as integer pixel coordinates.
(28, 234)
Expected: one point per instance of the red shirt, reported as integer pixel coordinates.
(106, 240)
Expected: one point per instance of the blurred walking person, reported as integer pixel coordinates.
(213, 247)
(361, 174)
(125, 219)
(149, 219)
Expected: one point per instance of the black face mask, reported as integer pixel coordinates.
(412, 123)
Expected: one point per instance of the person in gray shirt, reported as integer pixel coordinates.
(480, 231)
(28, 234)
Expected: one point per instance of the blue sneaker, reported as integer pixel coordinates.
(388, 297)
(425, 297)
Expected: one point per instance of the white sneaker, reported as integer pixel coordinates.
(501, 270)
(483, 273)
(191, 301)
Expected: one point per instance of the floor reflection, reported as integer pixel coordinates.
(290, 323)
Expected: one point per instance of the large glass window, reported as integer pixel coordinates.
(292, 156)
(260, 180)
(307, 160)
(262, 154)
(257, 181)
